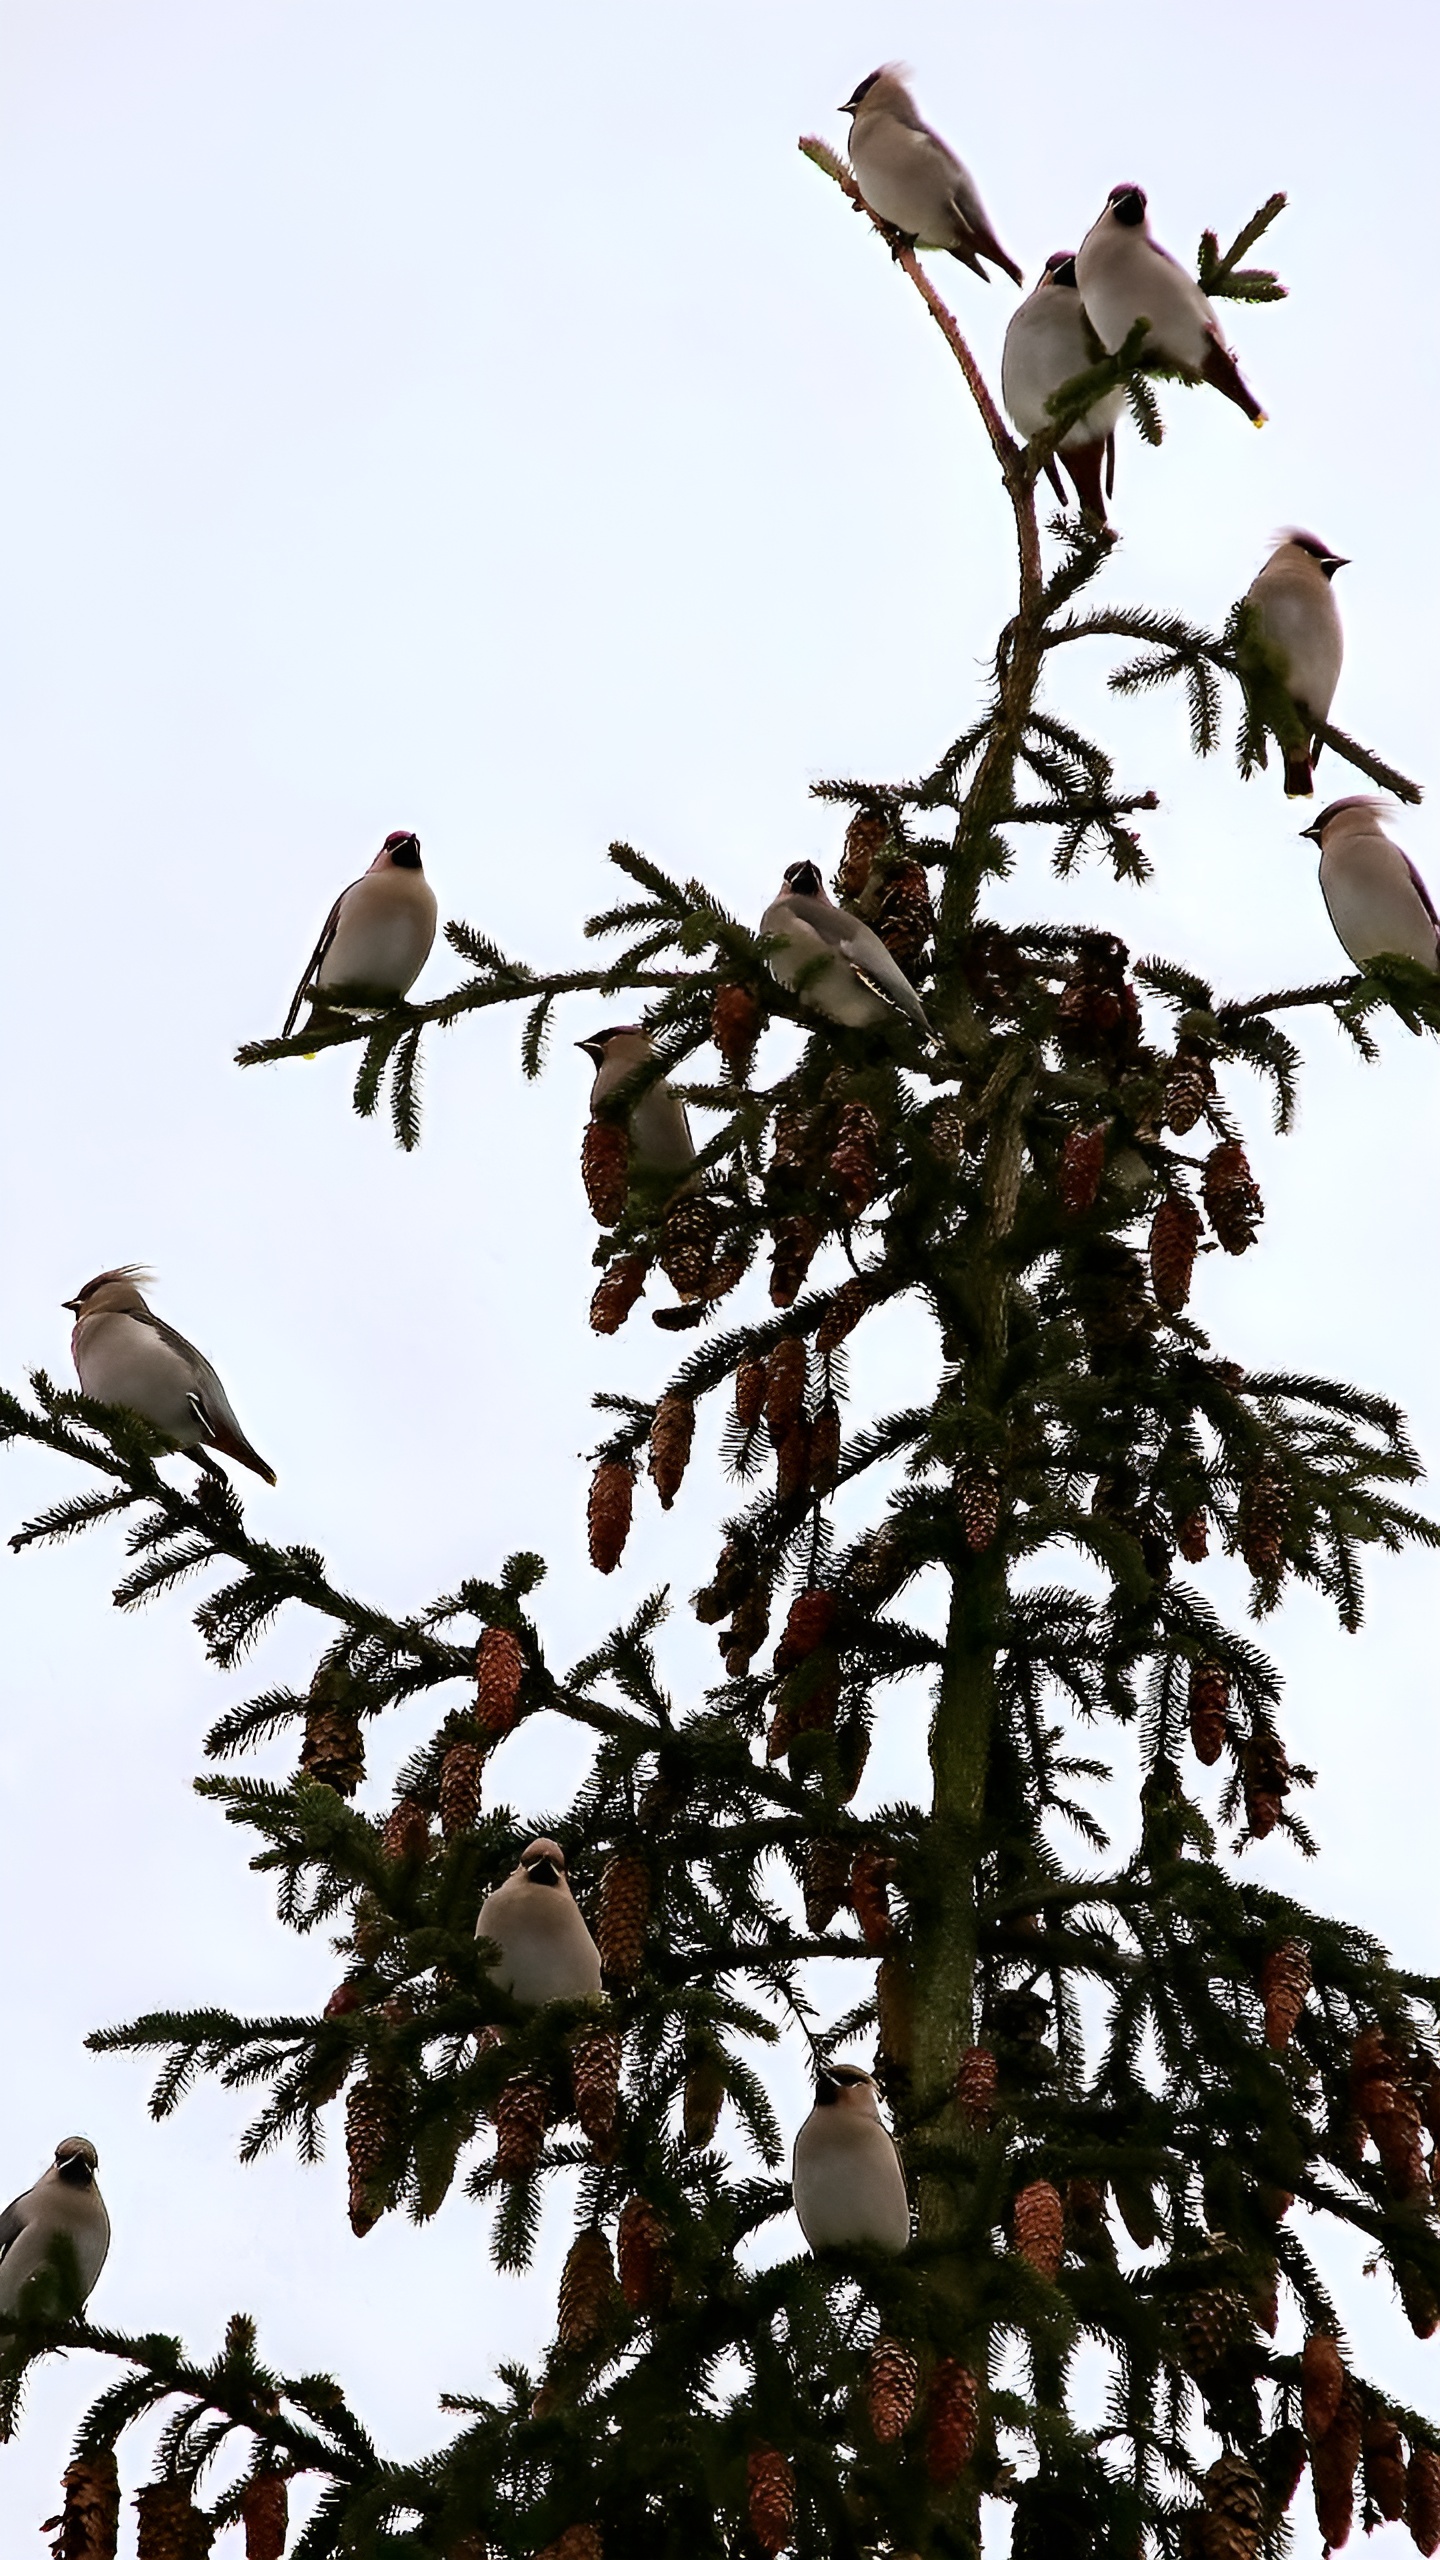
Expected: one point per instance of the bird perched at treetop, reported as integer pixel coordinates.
(848, 2185)
(1124, 276)
(1292, 645)
(546, 1951)
(910, 178)
(661, 1147)
(124, 1355)
(1049, 341)
(376, 940)
(1375, 897)
(63, 2204)
(833, 961)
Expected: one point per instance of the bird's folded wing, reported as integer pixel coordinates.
(317, 955)
(1421, 892)
(12, 2223)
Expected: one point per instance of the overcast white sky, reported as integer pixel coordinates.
(484, 421)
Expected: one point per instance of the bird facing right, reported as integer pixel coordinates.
(912, 180)
(1125, 276)
(126, 1355)
(1374, 895)
(546, 1951)
(376, 938)
(1293, 634)
(848, 2185)
(65, 2204)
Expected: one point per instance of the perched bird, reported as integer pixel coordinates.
(546, 1951)
(1294, 634)
(1376, 899)
(1125, 276)
(64, 2203)
(847, 2181)
(833, 960)
(125, 1355)
(1047, 344)
(660, 1142)
(909, 177)
(377, 936)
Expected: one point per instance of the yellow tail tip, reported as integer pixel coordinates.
(1262, 420)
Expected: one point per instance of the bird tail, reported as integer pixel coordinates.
(1299, 778)
(1221, 369)
(987, 246)
(233, 1444)
(1085, 464)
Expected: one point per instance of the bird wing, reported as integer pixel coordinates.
(879, 970)
(12, 2223)
(209, 1402)
(1421, 892)
(327, 936)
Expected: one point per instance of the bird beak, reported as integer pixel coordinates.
(592, 1049)
(542, 1871)
(71, 1306)
(1312, 832)
(827, 2091)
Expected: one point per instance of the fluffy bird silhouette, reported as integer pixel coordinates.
(1374, 896)
(833, 961)
(846, 2178)
(376, 938)
(126, 1355)
(1124, 275)
(661, 1146)
(546, 1951)
(913, 180)
(1047, 344)
(1294, 634)
(65, 2203)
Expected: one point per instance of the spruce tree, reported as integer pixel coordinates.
(1124, 2088)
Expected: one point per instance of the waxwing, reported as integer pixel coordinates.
(848, 2184)
(1294, 632)
(546, 1951)
(660, 1142)
(376, 940)
(125, 1355)
(1047, 344)
(64, 2203)
(909, 177)
(1376, 898)
(833, 961)
(1125, 276)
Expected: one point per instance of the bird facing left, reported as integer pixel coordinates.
(126, 1355)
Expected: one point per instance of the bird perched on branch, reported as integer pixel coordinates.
(910, 178)
(1375, 897)
(1124, 276)
(63, 2204)
(661, 1147)
(833, 961)
(847, 2181)
(1293, 638)
(546, 1951)
(125, 1355)
(376, 940)
(1048, 343)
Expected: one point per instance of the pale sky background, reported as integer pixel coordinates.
(484, 421)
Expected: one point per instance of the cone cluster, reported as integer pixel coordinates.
(870, 1897)
(1386, 2104)
(865, 838)
(854, 1159)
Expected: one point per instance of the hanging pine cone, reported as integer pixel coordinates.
(1038, 2222)
(499, 1671)
(704, 2094)
(605, 1168)
(520, 2115)
(792, 1462)
(796, 1243)
(1334, 2460)
(1281, 2458)
(1215, 2324)
(372, 2132)
(786, 1369)
(1284, 1983)
(671, 1434)
(1098, 1015)
(826, 1882)
(405, 1832)
(854, 1165)
(866, 836)
(461, 1773)
(265, 2513)
(770, 2498)
(870, 1898)
(734, 1577)
(905, 919)
(1265, 1776)
(1209, 1710)
(809, 1625)
(688, 1238)
(734, 1026)
(952, 2421)
(805, 1702)
(1417, 2301)
(612, 1496)
(977, 1494)
(842, 1316)
(623, 1282)
(646, 2279)
(1232, 1199)
(1262, 1518)
(751, 1382)
(1135, 2204)
(1322, 2383)
(1383, 2456)
(1192, 1537)
(333, 1752)
(166, 2515)
(1081, 1169)
(1388, 2108)
(977, 2083)
(1085, 2218)
(793, 1160)
(1188, 1086)
(595, 2078)
(891, 2381)
(587, 2291)
(1234, 2509)
(824, 1448)
(89, 2523)
(623, 1913)
(747, 1631)
(1422, 2499)
(1174, 1236)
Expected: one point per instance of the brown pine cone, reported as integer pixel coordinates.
(809, 1625)
(166, 2515)
(792, 1149)
(1322, 2384)
(792, 1462)
(895, 2016)
(1417, 2301)
(1038, 2222)
(1262, 1518)
(1284, 1983)
(1383, 2455)
(1232, 1199)
(1192, 1537)
(671, 1434)
(1215, 2323)
(747, 1631)
(1422, 2499)
(1081, 1169)
(796, 1243)
(520, 2115)
(824, 1447)
(977, 1491)
(905, 919)
(595, 2077)
(587, 2290)
(786, 1369)
(1265, 1777)
(612, 1496)
(623, 1283)
(1135, 2204)
(735, 1026)
(405, 1832)
(891, 2382)
(605, 1166)
(89, 2523)
(372, 2132)
(854, 1166)
(952, 2421)
(333, 1751)
(1174, 1234)
(807, 1704)
(623, 1912)
(1281, 2457)
(1234, 2509)
(1188, 1086)
(870, 1899)
(827, 1882)
(846, 1308)
(751, 1385)
(646, 2279)
(704, 2095)
(265, 2511)
(1334, 2459)
(1085, 2217)
(866, 836)
(1209, 1710)
(499, 1671)
(461, 1775)
(770, 2498)
(1387, 2106)
(977, 2082)
(688, 1239)
(734, 1576)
